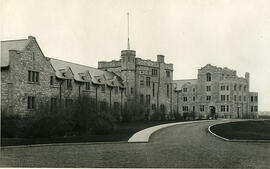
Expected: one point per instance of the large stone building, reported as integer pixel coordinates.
(217, 91)
(147, 82)
(29, 79)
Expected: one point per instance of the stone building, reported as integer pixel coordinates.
(217, 91)
(148, 83)
(30, 80)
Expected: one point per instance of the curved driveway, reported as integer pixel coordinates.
(184, 146)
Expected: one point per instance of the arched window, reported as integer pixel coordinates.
(208, 77)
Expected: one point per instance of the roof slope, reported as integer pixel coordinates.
(180, 83)
(11, 45)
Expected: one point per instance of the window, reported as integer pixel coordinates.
(244, 98)
(227, 97)
(141, 81)
(153, 106)
(141, 99)
(234, 97)
(69, 84)
(148, 81)
(184, 89)
(227, 108)
(154, 72)
(194, 98)
(193, 108)
(227, 87)
(33, 76)
(147, 99)
(255, 98)
(131, 90)
(255, 108)
(53, 104)
(208, 77)
(31, 102)
(168, 73)
(208, 98)
(251, 98)
(240, 87)
(103, 88)
(168, 90)
(222, 97)
(116, 90)
(251, 109)
(202, 108)
(222, 87)
(234, 87)
(153, 89)
(240, 98)
(51, 80)
(245, 88)
(208, 88)
(87, 86)
(185, 108)
(185, 99)
(222, 108)
(194, 89)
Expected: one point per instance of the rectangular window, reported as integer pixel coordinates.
(31, 102)
(154, 72)
(245, 88)
(251, 109)
(240, 87)
(222, 87)
(222, 108)
(193, 109)
(131, 90)
(103, 88)
(153, 89)
(141, 99)
(185, 99)
(208, 88)
(240, 98)
(234, 97)
(244, 98)
(255, 108)
(234, 88)
(141, 81)
(148, 81)
(148, 99)
(87, 86)
(202, 108)
(69, 84)
(227, 108)
(194, 89)
(184, 89)
(51, 80)
(255, 98)
(168, 73)
(227, 87)
(222, 97)
(251, 98)
(168, 90)
(227, 97)
(208, 98)
(194, 98)
(33, 76)
(185, 108)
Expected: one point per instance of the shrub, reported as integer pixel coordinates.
(103, 124)
(9, 125)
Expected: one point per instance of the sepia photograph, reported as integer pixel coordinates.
(135, 83)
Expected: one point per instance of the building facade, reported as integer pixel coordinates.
(30, 80)
(148, 83)
(217, 91)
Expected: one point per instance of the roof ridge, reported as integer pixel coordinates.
(13, 40)
(184, 79)
(75, 63)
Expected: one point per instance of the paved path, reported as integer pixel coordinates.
(179, 146)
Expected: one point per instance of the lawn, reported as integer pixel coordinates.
(244, 130)
(122, 133)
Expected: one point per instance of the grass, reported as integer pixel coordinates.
(122, 133)
(244, 130)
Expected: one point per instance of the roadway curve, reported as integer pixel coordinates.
(184, 146)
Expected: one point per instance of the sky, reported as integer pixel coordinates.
(190, 33)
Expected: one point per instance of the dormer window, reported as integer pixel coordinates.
(64, 74)
(83, 78)
(99, 80)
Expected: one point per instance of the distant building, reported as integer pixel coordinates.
(217, 91)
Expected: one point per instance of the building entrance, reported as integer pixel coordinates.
(213, 112)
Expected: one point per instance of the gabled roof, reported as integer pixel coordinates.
(5, 46)
(97, 76)
(180, 83)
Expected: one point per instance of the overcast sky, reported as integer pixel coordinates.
(190, 33)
